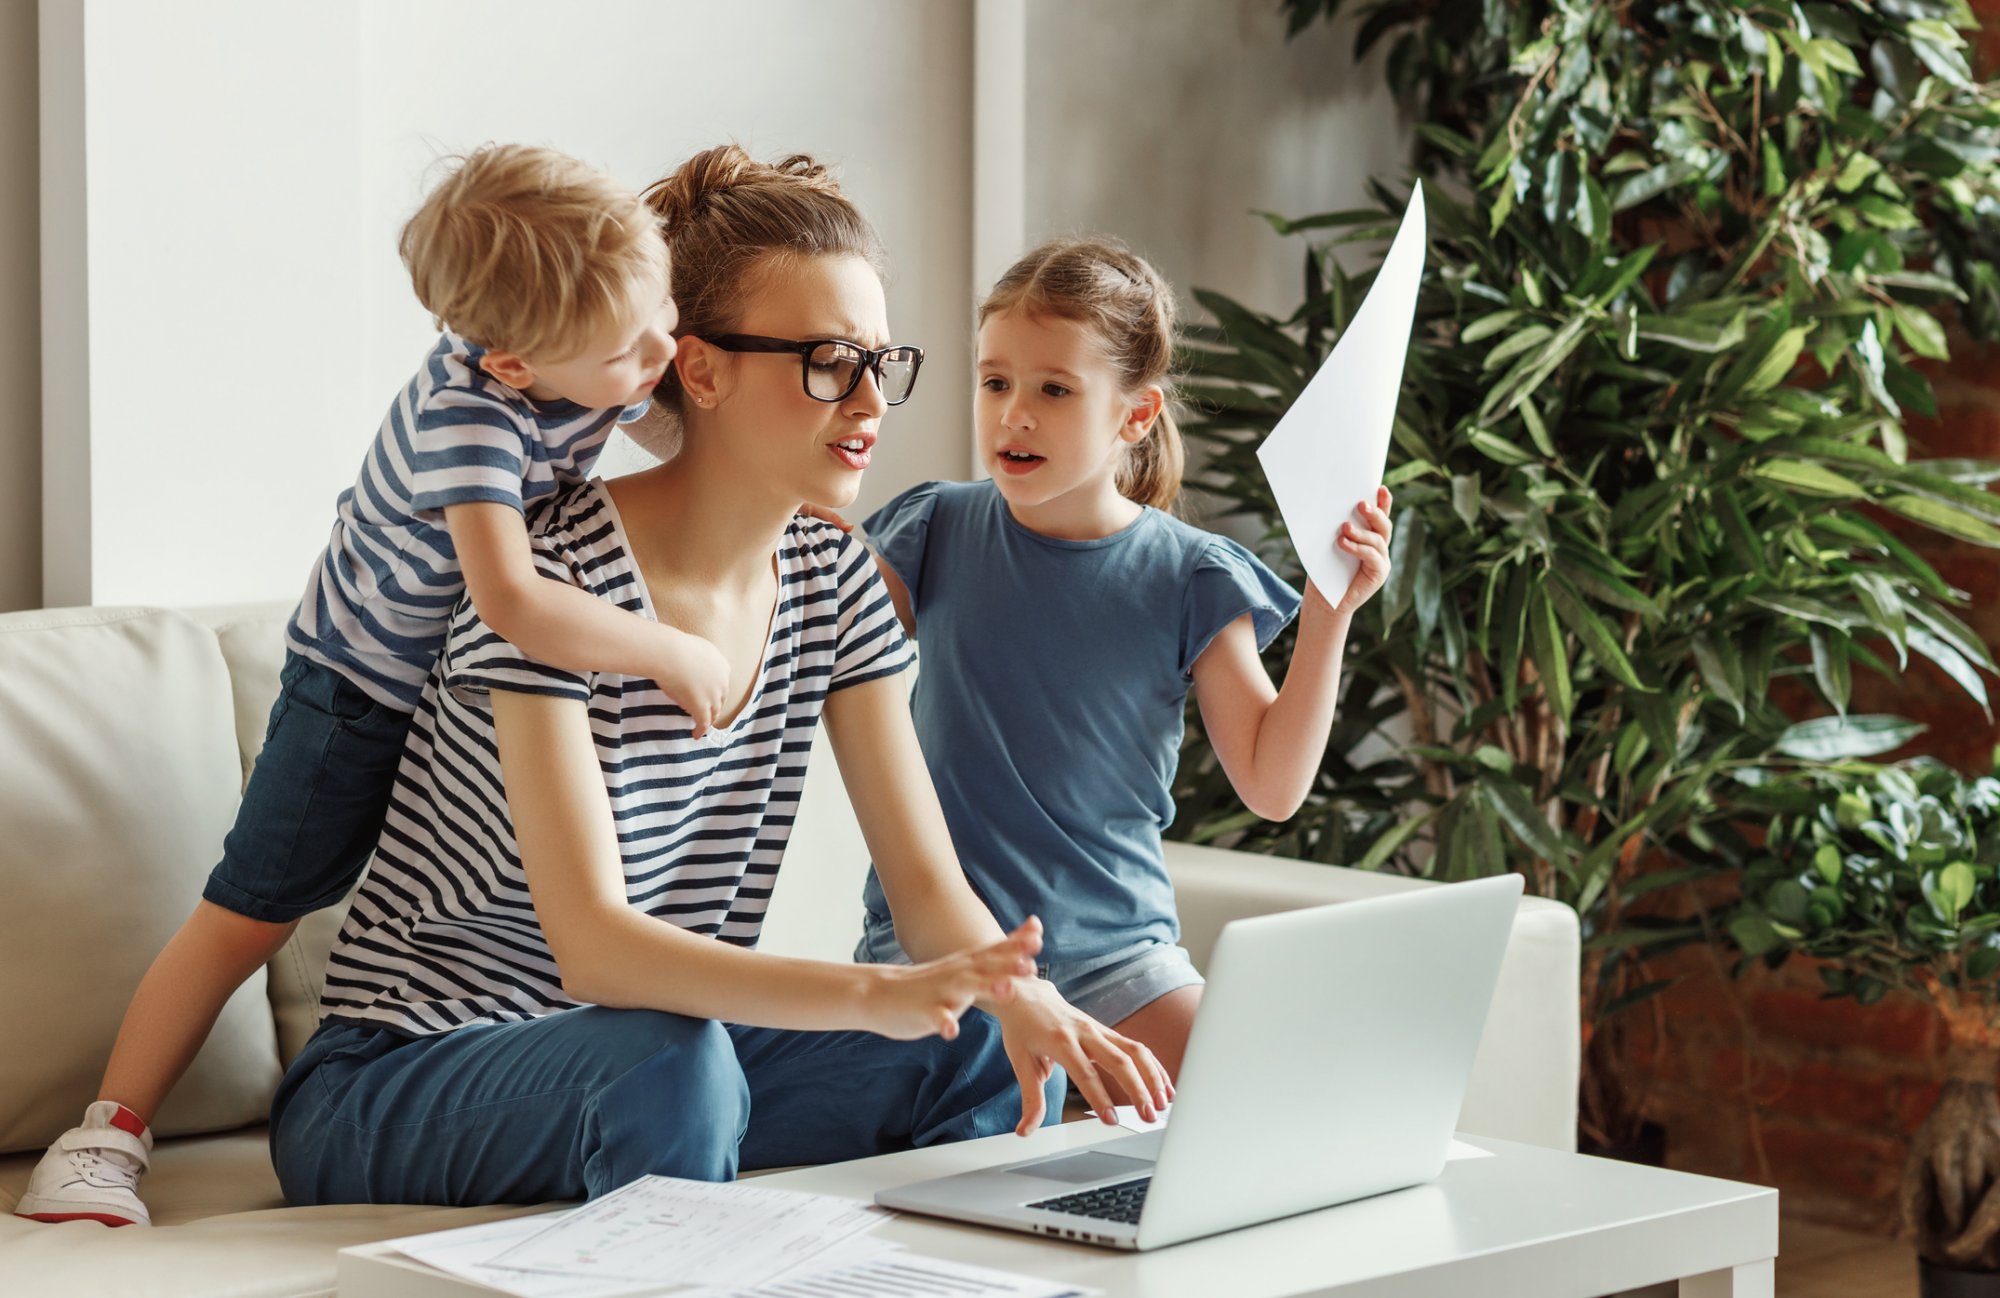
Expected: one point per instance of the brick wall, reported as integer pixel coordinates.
(1760, 1079)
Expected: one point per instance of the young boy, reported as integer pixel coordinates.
(551, 284)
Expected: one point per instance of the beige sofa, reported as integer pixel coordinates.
(124, 738)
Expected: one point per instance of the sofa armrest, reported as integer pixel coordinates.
(1525, 1077)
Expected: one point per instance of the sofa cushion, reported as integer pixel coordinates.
(221, 1230)
(121, 772)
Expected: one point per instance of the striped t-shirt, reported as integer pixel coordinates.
(378, 600)
(443, 933)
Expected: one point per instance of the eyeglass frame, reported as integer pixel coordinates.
(871, 360)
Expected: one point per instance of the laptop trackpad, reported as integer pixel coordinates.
(1078, 1168)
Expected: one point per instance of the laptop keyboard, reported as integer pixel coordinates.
(1120, 1202)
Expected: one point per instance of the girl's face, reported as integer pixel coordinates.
(1053, 417)
(807, 450)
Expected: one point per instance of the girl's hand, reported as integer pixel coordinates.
(1041, 1030)
(905, 1002)
(825, 515)
(1369, 544)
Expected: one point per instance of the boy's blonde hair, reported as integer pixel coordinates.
(528, 250)
(1118, 296)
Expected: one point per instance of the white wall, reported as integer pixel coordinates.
(229, 317)
(1169, 122)
(20, 317)
(246, 167)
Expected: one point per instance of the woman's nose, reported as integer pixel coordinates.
(867, 393)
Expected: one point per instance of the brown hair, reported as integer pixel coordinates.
(1116, 293)
(530, 251)
(731, 220)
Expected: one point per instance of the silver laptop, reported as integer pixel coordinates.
(1328, 1062)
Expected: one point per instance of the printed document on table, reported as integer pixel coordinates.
(896, 1274)
(466, 1253)
(664, 1230)
(1328, 451)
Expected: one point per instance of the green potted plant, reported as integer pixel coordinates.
(1683, 260)
(1890, 877)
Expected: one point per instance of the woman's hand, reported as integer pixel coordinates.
(1369, 544)
(910, 1001)
(1041, 1030)
(825, 515)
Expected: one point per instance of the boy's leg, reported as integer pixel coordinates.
(567, 1106)
(1163, 1028)
(825, 1097)
(179, 999)
(307, 825)
(305, 830)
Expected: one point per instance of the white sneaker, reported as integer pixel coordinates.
(92, 1172)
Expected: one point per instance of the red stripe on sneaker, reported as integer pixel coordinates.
(127, 1121)
(102, 1218)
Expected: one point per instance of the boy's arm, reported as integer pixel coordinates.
(570, 628)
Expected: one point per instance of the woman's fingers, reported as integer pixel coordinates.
(1029, 1073)
(1124, 1069)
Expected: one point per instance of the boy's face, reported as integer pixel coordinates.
(618, 365)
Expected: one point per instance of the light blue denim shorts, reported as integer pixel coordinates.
(1110, 988)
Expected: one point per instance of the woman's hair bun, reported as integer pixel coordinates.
(712, 173)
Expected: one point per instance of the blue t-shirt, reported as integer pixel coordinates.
(1055, 677)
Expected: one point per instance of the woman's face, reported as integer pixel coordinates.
(813, 451)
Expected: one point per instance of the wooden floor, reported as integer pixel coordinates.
(1821, 1262)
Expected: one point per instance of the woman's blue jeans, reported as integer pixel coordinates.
(578, 1103)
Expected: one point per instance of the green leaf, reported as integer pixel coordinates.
(1827, 861)
(1524, 819)
(1830, 668)
(1386, 846)
(1498, 449)
(1721, 669)
(1488, 325)
(1813, 479)
(1953, 664)
(1753, 934)
(1545, 648)
(1955, 887)
(1777, 363)
(1596, 634)
(1885, 610)
(1832, 739)
(1921, 330)
(1949, 519)
(1519, 341)
(1465, 498)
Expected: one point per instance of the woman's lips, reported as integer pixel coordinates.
(854, 452)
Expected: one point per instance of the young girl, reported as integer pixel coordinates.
(1064, 614)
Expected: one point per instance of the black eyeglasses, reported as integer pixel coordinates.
(831, 368)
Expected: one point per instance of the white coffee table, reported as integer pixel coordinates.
(1526, 1223)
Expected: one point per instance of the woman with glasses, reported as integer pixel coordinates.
(547, 986)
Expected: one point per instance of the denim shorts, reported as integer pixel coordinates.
(1110, 988)
(316, 799)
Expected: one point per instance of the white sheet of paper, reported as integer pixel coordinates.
(664, 1230)
(1459, 1149)
(897, 1274)
(1328, 451)
(465, 1253)
(1128, 1117)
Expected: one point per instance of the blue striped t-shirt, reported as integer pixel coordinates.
(377, 604)
(443, 931)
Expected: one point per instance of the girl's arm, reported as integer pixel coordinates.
(609, 954)
(936, 912)
(566, 626)
(1270, 741)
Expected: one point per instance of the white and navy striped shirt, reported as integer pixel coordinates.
(443, 933)
(376, 606)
